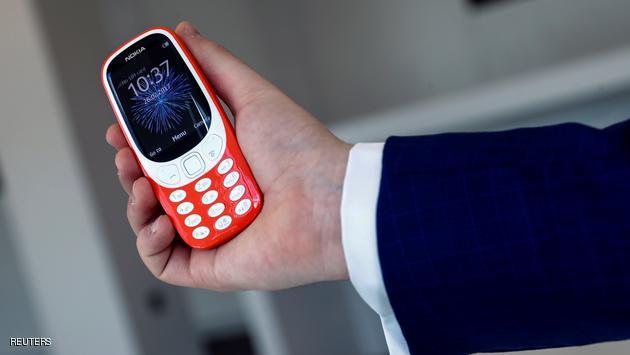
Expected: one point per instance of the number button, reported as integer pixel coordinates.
(216, 209)
(192, 220)
(231, 179)
(177, 196)
(185, 208)
(242, 207)
(237, 192)
(225, 166)
(223, 222)
(200, 232)
(203, 184)
(209, 197)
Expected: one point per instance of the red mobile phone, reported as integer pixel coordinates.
(181, 137)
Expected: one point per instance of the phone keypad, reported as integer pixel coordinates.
(203, 184)
(192, 220)
(201, 232)
(216, 205)
(223, 222)
(243, 206)
(237, 192)
(177, 196)
(209, 197)
(231, 179)
(216, 209)
(225, 166)
(185, 208)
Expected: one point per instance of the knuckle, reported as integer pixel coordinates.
(131, 209)
(118, 159)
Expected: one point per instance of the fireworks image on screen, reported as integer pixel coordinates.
(160, 108)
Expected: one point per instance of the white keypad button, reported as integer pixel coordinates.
(200, 232)
(216, 209)
(231, 179)
(223, 222)
(203, 185)
(185, 208)
(169, 174)
(242, 207)
(213, 147)
(177, 196)
(225, 166)
(237, 192)
(192, 220)
(193, 164)
(209, 197)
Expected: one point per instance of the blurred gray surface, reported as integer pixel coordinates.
(348, 58)
(19, 318)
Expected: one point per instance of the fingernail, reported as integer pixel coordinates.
(190, 30)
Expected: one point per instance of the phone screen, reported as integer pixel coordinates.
(159, 98)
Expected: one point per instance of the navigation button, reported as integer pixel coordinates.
(169, 174)
(213, 146)
(193, 164)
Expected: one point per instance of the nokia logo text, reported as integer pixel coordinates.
(134, 53)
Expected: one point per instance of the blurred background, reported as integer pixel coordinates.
(367, 69)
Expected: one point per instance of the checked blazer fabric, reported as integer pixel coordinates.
(507, 240)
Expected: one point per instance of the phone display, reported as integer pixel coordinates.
(160, 100)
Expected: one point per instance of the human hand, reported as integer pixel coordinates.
(299, 166)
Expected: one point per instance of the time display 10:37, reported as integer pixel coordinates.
(154, 77)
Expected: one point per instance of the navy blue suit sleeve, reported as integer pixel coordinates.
(507, 240)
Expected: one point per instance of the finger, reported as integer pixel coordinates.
(128, 168)
(114, 136)
(143, 206)
(165, 258)
(235, 82)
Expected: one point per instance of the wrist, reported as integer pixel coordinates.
(334, 162)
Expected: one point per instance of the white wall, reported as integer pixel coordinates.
(66, 269)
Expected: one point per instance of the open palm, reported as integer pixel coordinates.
(299, 166)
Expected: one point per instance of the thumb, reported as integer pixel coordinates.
(235, 82)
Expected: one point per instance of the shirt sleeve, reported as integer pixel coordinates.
(358, 229)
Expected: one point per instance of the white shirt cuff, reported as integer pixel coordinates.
(358, 230)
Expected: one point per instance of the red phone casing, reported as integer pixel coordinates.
(217, 224)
